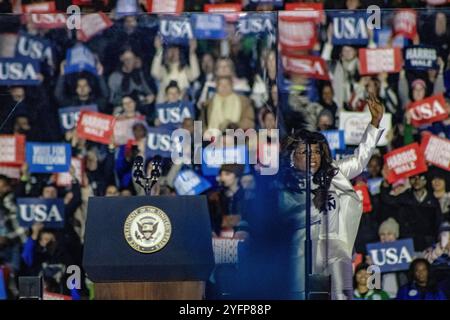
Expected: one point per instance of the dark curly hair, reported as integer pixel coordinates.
(326, 170)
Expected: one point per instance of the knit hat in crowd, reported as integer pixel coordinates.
(418, 82)
(389, 226)
(237, 169)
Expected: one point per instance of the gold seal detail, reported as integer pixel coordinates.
(147, 229)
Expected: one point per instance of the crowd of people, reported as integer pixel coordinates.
(237, 82)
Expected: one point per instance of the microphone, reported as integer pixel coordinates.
(138, 173)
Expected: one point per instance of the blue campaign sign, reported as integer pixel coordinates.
(48, 157)
(209, 26)
(254, 24)
(382, 37)
(420, 58)
(32, 47)
(276, 3)
(171, 115)
(80, 58)
(68, 116)
(214, 158)
(175, 30)
(335, 140)
(349, 28)
(3, 295)
(159, 142)
(48, 211)
(19, 71)
(392, 256)
(187, 182)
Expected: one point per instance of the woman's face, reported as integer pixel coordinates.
(300, 157)
(372, 87)
(173, 95)
(224, 87)
(361, 277)
(128, 105)
(348, 53)
(438, 184)
(418, 93)
(387, 236)
(46, 239)
(421, 273)
(223, 68)
(139, 132)
(128, 60)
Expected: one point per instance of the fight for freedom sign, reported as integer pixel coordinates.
(392, 256)
(436, 151)
(12, 149)
(373, 61)
(48, 157)
(405, 162)
(50, 212)
(95, 126)
(427, 111)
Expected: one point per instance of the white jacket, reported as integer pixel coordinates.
(340, 243)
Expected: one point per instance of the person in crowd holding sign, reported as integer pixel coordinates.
(421, 285)
(227, 107)
(43, 255)
(168, 65)
(84, 93)
(439, 253)
(418, 211)
(11, 234)
(333, 197)
(360, 283)
(130, 78)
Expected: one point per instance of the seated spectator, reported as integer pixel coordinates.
(421, 285)
(129, 79)
(227, 107)
(168, 65)
(360, 283)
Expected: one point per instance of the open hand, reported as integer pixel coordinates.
(376, 109)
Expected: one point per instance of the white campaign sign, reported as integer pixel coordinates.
(355, 123)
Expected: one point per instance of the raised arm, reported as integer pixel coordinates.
(355, 164)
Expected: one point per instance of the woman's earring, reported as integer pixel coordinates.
(292, 159)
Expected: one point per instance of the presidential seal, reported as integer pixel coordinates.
(147, 229)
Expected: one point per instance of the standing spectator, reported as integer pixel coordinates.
(11, 234)
(418, 211)
(84, 94)
(439, 185)
(130, 78)
(326, 100)
(360, 283)
(173, 67)
(421, 285)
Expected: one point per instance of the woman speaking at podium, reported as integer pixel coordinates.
(335, 207)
